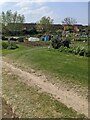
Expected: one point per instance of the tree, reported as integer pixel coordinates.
(15, 18)
(10, 17)
(3, 17)
(44, 24)
(69, 21)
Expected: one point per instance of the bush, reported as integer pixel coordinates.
(76, 50)
(56, 42)
(61, 48)
(65, 49)
(70, 50)
(87, 53)
(65, 43)
(20, 39)
(82, 51)
(4, 45)
(39, 35)
(12, 45)
(32, 31)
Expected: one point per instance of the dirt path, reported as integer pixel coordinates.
(69, 98)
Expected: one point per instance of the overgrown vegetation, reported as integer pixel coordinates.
(20, 39)
(7, 45)
(82, 51)
(57, 42)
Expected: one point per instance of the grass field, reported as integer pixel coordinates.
(28, 101)
(67, 67)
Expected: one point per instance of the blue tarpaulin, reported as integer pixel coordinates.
(46, 38)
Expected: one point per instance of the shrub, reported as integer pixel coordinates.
(70, 50)
(56, 42)
(4, 45)
(20, 39)
(87, 53)
(12, 45)
(65, 49)
(39, 35)
(61, 48)
(32, 31)
(82, 51)
(76, 50)
(65, 43)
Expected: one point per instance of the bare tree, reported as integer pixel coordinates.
(69, 21)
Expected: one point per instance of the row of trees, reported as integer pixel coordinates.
(10, 17)
(46, 22)
(43, 25)
(14, 17)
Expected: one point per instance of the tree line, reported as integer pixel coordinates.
(43, 25)
(14, 17)
(10, 17)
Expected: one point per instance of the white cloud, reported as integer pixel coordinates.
(33, 11)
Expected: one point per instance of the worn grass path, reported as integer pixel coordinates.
(69, 98)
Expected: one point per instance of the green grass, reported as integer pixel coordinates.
(28, 102)
(67, 67)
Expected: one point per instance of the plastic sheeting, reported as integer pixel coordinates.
(33, 39)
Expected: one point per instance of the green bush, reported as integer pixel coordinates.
(66, 49)
(12, 45)
(77, 50)
(39, 35)
(61, 48)
(70, 50)
(4, 45)
(20, 39)
(56, 42)
(82, 51)
(87, 53)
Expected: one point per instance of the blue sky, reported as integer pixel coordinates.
(33, 11)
